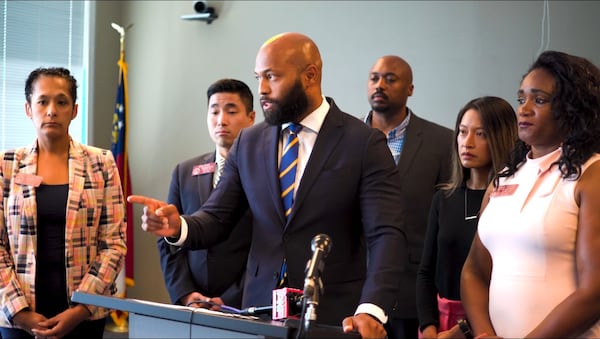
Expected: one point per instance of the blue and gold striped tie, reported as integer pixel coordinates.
(287, 168)
(287, 179)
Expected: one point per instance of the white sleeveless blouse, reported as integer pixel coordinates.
(530, 232)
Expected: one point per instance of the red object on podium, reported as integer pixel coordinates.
(282, 299)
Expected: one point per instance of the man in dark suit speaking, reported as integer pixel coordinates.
(345, 185)
(214, 274)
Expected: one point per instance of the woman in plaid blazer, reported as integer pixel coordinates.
(62, 226)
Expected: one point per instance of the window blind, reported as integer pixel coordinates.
(38, 34)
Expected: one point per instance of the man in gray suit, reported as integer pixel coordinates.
(206, 277)
(422, 151)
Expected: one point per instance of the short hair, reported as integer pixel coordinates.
(232, 86)
(59, 72)
(499, 122)
(575, 104)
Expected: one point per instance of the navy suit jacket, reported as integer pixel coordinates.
(349, 190)
(214, 272)
(424, 164)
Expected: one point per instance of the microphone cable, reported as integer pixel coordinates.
(301, 333)
(223, 308)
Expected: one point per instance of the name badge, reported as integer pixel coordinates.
(204, 168)
(28, 179)
(504, 190)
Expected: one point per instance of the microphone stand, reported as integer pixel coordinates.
(313, 285)
(311, 293)
(312, 290)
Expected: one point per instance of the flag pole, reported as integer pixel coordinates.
(119, 318)
(123, 163)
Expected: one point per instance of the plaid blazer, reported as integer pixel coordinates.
(94, 232)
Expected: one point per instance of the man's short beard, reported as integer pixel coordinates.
(290, 108)
(384, 110)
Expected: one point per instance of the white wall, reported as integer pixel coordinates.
(458, 50)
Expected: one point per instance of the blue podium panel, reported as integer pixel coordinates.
(211, 324)
(149, 319)
(143, 326)
(211, 332)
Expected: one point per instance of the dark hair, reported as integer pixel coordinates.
(576, 107)
(232, 86)
(500, 125)
(50, 72)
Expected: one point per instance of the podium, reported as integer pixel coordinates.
(156, 320)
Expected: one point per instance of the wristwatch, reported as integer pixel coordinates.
(463, 324)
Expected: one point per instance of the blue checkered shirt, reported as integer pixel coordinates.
(395, 137)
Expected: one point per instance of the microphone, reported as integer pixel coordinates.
(321, 246)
